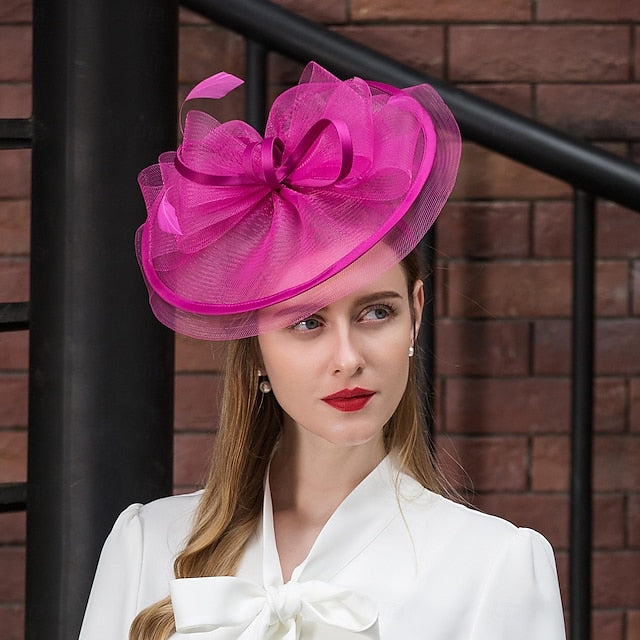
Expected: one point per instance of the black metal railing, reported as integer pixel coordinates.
(16, 133)
(592, 173)
(585, 167)
(65, 336)
(14, 316)
(13, 496)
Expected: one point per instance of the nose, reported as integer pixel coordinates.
(347, 359)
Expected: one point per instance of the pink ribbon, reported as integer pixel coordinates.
(276, 164)
(275, 167)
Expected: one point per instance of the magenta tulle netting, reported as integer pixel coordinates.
(247, 233)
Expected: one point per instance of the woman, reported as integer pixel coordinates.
(322, 516)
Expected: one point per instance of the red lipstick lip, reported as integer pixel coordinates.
(346, 394)
(349, 400)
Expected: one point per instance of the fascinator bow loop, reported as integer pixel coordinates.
(275, 167)
(232, 608)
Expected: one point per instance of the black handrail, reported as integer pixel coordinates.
(14, 316)
(13, 496)
(586, 167)
(15, 133)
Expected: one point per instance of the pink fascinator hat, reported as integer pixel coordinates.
(247, 233)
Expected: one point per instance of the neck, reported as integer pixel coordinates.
(311, 477)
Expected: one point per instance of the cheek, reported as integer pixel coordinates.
(293, 389)
(399, 374)
(288, 374)
(393, 364)
(392, 349)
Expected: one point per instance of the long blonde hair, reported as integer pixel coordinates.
(250, 424)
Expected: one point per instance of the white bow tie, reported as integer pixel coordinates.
(235, 609)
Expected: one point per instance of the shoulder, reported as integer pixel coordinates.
(482, 556)
(495, 537)
(472, 533)
(470, 522)
(143, 544)
(162, 525)
(169, 509)
(170, 518)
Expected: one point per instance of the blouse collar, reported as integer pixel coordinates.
(353, 526)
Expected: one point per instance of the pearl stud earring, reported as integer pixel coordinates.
(263, 383)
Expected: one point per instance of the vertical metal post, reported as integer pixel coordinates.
(582, 416)
(101, 368)
(256, 85)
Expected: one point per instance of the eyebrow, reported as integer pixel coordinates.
(363, 300)
(378, 295)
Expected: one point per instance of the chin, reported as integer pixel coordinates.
(351, 436)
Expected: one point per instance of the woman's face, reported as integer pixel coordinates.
(339, 374)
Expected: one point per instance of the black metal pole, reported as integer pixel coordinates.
(582, 416)
(101, 367)
(256, 85)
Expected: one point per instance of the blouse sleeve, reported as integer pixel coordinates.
(113, 600)
(521, 598)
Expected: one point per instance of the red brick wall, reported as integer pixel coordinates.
(503, 278)
(15, 101)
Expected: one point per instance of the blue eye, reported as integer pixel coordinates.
(308, 324)
(377, 313)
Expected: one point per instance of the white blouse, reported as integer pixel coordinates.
(394, 562)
